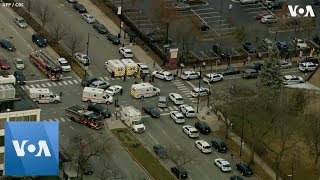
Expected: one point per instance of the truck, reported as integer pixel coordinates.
(131, 66)
(43, 95)
(82, 115)
(143, 90)
(96, 95)
(115, 67)
(8, 79)
(132, 118)
(142, 69)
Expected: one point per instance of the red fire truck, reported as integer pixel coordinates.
(47, 65)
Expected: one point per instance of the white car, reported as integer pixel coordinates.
(248, 1)
(88, 18)
(18, 62)
(200, 92)
(191, 131)
(187, 110)
(176, 98)
(222, 164)
(177, 117)
(82, 58)
(165, 75)
(307, 66)
(143, 68)
(268, 19)
(21, 22)
(126, 52)
(299, 43)
(64, 64)
(203, 146)
(212, 77)
(292, 79)
(188, 75)
(113, 90)
(285, 64)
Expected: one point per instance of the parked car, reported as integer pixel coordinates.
(187, 110)
(126, 52)
(200, 92)
(165, 75)
(202, 127)
(179, 172)
(249, 47)
(99, 109)
(261, 14)
(64, 64)
(268, 19)
(18, 62)
(316, 39)
(191, 131)
(267, 44)
(244, 169)
(248, 1)
(87, 169)
(203, 146)
(20, 78)
(176, 98)
(160, 151)
(307, 66)
(100, 28)
(88, 18)
(39, 40)
(152, 111)
(20, 22)
(249, 73)
(72, 1)
(113, 38)
(7, 45)
(82, 58)
(113, 90)
(220, 51)
(100, 84)
(274, 5)
(285, 64)
(212, 77)
(236, 178)
(87, 80)
(282, 46)
(255, 65)
(79, 8)
(292, 79)
(4, 64)
(299, 43)
(222, 164)
(219, 145)
(188, 75)
(230, 71)
(177, 117)
(311, 59)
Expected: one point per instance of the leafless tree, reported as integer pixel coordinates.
(312, 134)
(74, 42)
(59, 30)
(108, 172)
(29, 5)
(44, 13)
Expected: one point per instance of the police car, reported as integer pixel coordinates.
(292, 79)
(177, 117)
(188, 75)
(165, 75)
(212, 77)
(126, 52)
(200, 92)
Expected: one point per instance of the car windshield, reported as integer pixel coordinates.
(137, 122)
(194, 132)
(191, 111)
(64, 64)
(227, 165)
(19, 62)
(21, 21)
(207, 147)
(179, 99)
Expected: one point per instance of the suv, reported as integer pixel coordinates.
(282, 46)
(187, 75)
(267, 44)
(309, 59)
(39, 40)
(86, 81)
(249, 73)
(307, 66)
(220, 51)
(20, 78)
(187, 110)
(219, 145)
(200, 92)
(179, 172)
(244, 169)
(176, 98)
(99, 109)
(165, 75)
(203, 127)
(79, 8)
(255, 65)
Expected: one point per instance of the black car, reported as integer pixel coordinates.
(20, 78)
(249, 47)
(277, 4)
(86, 81)
(152, 111)
(220, 51)
(39, 40)
(219, 145)
(113, 38)
(244, 168)
(249, 73)
(236, 178)
(282, 45)
(203, 127)
(255, 65)
(79, 8)
(100, 28)
(160, 151)
(314, 60)
(316, 39)
(87, 169)
(230, 71)
(179, 172)
(99, 109)
(7, 45)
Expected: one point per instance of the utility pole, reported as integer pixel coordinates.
(241, 140)
(199, 91)
(208, 104)
(86, 66)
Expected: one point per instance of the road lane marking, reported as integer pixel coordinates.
(37, 85)
(62, 120)
(32, 86)
(54, 84)
(71, 127)
(152, 137)
(70, 82)
(43, 85)
(39, 80)
(193, 86)
(64, 82)
(48, 84)
(75, 81)
(60, 83)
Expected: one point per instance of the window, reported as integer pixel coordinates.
(32, 118)
(2, 121)
(1, 141)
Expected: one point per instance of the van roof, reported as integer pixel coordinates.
(39, 90)
(115, 62)
(128, 61)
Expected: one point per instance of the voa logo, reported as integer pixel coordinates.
(42, 148)
(297, 10)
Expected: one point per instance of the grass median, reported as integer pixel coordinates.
(149, 162)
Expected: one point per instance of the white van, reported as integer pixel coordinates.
(116, 67)
(96, 95)
(43, 95)
(143, 90)
(131, 66)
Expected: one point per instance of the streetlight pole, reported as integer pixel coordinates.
(208, 104)
(87, 53)
(181, 66)
(199, 91)
(241, 140)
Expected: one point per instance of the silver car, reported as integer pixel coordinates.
(100, 84)
(285, 64)
(18, 62)
(21, 22)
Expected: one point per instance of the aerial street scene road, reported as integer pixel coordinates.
(166, 89)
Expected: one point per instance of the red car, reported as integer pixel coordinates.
(4, 64)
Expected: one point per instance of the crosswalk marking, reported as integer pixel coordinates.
(56, 119)
(32, 86)
(49, 120)
(170, 108)
(70, 82)
(60, 83)
(54, 84)
(75, 81)
(48, 84)
(160, 109)
(175, 107)
(43, 85)
(62, 120)
(37, 85)
(65, 82)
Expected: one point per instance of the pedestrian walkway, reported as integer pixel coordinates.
(61, 119)
(185, 90)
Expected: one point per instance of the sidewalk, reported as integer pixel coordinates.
(215, 124)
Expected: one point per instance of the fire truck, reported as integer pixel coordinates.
(81, 115)
(47, 65)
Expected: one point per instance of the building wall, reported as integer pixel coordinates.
(27, 115)
(315, 77)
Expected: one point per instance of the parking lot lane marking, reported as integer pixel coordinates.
(106, 78)
(152, 137)
(50, 120)
(54, 84)
(56, 119)
(43, 85)
(32, 86)
(70, 82)
(193, 86)
(62, 120)
(75, 81)
(312, 42)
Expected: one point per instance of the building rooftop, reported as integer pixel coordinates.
(22, 102)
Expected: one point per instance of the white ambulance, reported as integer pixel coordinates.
(131, 66)
(96, 95)
(115, 66)
(43, 95)
(143, 90)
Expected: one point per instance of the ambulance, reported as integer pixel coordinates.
(131, 66)
(143, 90)
(43, 95)
(96, 95)
(115, 66)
